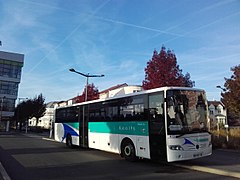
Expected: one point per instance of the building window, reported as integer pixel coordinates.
(8, 104)
(10, 69)
(211, 112)
(10, 88)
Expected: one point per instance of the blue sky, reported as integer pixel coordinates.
(117, 38)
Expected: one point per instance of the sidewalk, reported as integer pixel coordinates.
(44, 134)
(36, 135)
(222, 162)
(3, 173)
(12, 133)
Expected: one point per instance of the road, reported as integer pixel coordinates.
(32, 157)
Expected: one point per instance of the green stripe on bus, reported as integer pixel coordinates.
(201, 140)
(74, 125)
(131, 128)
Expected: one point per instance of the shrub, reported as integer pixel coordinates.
(226, 139)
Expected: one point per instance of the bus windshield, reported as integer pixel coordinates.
(186, 112)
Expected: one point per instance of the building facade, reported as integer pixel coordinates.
(10, 75)
(46, 121)
(119, 90)
(217, 114)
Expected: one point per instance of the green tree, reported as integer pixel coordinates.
(31, 108)
(162, 70)
(38, 107)
(231, 93)
(23, 112)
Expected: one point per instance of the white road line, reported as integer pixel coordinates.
(4, 173)
(49, 139)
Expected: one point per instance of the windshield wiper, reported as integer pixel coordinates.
(183, 132)
(180, 135)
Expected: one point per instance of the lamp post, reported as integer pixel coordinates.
(19, 99)
(87, 76)
(2, 99)
(220, 87)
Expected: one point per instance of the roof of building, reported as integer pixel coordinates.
(216, 103)
(12, 56)
(51, 104)
(114, 87)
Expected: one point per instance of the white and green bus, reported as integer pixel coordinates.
(169, 123)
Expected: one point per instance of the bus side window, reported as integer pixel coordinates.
(60, 115)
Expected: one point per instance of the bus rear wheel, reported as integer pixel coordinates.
(69, 141)
(128, 151)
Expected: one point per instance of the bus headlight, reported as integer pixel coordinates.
(210, 143)
(176, 147)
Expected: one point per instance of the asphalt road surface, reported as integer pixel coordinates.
(32, 157)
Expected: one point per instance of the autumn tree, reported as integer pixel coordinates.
(92, 94)
(231, 93)
(162, 70)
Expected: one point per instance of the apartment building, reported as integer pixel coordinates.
(217, 114)
(46, 121)
(10, 75)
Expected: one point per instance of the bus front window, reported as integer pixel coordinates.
(186, 111)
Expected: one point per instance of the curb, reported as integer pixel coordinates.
(211, 170)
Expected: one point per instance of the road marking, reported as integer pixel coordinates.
(49, 139)
(211, 170)
(4, 173)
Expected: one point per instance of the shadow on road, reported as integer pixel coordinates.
(34, 158)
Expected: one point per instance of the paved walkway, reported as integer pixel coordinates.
(44, 135)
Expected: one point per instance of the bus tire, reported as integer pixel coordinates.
(69, 141)
(128, 150)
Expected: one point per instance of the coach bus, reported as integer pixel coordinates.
(169, 123)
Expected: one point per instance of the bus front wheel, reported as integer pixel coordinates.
(128, 151)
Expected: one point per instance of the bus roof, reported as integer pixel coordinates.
(134, 94)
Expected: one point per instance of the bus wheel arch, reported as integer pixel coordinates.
(128, 150)
(69, 141)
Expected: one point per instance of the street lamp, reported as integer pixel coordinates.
(87, 76)
(18, 111)
(221, 88)
(1, 108)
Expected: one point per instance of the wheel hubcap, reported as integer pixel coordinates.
(127, 150)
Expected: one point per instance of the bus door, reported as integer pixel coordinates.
(80, 119)
(157, 136)
(83, 126)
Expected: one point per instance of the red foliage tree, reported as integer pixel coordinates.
(92, 94)
(231, 94)
(162, 70)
